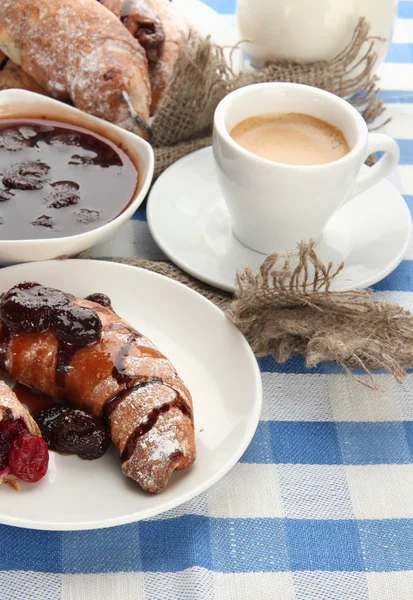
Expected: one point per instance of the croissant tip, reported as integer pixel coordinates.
(154, 477)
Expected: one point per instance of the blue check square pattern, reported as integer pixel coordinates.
(320, 506)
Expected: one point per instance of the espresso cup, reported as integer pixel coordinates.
(273, 205)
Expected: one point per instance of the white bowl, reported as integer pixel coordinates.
(20, 103)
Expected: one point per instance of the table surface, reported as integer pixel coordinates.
(319, 506)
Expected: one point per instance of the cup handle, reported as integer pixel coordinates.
(375, 143)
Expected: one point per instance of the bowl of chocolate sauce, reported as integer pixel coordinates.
(68, 180)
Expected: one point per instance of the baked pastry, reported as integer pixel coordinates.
(78, 50)
(83, 351)
(140, 19)
(13, 76)
(23, 452)
(176, 30)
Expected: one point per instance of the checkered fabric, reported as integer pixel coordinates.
(320, 506)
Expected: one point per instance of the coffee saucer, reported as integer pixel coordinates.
(189, 221)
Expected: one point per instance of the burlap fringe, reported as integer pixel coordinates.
(202, 77)
(288, 308)
(283, 311)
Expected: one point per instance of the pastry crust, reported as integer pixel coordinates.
(13, 77)
(122, 377)
(78, 50)
(176, 30)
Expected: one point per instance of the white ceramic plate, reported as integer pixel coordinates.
(189, 221)
(213, 359)
(208, 22)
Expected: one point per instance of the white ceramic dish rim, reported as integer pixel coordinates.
(225, 468)
(73, 116)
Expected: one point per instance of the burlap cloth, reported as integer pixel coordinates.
(202, 77)
(287, 308)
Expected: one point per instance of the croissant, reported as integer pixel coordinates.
(82, 350)
(141, 20)
(176, 29)
(78, 50)
(13, 76)
(23, 452)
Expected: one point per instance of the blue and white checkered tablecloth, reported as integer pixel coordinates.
(321, 504)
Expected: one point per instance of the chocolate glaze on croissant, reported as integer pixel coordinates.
(51, 342)
(141, 20)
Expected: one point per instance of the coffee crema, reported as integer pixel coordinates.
(291, 138)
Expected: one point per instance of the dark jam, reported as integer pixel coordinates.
(74, 431)
(58, 179)
(29, 307)
(64, 428)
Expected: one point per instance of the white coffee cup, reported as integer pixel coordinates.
(273, 205)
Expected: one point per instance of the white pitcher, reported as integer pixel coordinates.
(310, 30)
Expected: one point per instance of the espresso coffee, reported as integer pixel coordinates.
(291, 138)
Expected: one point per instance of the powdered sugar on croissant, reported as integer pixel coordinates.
(79, 50)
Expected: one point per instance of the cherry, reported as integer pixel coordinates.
(29, 175)
(28, 457)
(74, 431)
(77, 325)
(27, 307)
(64, 194)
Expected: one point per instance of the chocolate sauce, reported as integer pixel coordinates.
(34, 401)
(58, 179)
(65, 353)
(112, 403)
(118, 371)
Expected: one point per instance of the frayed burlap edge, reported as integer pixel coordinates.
(288, 308)
(202, 77)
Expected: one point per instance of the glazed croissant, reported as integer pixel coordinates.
(23, 452)
(79, 51)
(61, 345)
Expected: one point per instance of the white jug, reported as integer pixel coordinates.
(310, 30)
